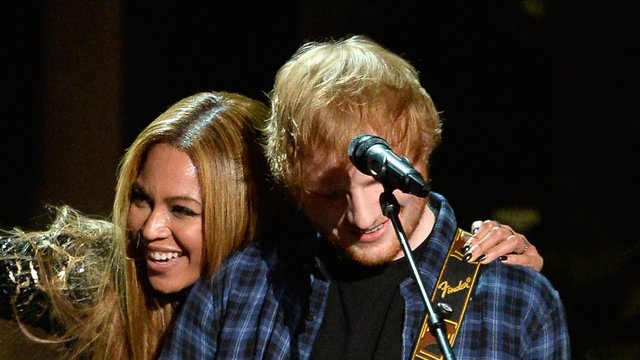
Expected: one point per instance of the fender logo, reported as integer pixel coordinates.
(448, 290)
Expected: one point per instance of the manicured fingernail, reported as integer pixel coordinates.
(481, 257)
(475, 226)
(502, 257)
(467, 257)
(469, 241)
(465, 249)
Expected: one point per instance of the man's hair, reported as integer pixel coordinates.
(330, 91)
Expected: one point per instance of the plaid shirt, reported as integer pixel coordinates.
(268, 303)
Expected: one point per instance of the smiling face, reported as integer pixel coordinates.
(166, 210)
(344, 205)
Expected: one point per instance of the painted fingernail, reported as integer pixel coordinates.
(475, 226)
(465, 249)
(467, 257)
(502, 257)
(469, 240)
(481, 257)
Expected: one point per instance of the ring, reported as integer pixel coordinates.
(525, 247)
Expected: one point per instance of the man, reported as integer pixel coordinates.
(345, 290)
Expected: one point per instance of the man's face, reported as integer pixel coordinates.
(343, 204)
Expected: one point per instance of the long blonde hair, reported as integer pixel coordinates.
(217, 131)
(64, 280)
(91, 270)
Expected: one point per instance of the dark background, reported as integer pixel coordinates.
(539, 98)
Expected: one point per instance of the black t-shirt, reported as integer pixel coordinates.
(365, 311)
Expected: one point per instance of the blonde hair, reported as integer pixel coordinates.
(217, 131)
(121, 317)
(330, 91)
(65, 277)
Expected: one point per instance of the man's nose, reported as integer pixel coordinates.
(363, 207)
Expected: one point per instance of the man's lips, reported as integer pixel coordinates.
(373, 233)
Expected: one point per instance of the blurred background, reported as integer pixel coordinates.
(539, 99)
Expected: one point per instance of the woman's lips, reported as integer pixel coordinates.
(162, 261)
(163, 255)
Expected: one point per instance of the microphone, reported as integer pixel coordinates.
(372, 155)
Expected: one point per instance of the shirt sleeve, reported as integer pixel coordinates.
(193, 335)
(515, 313)
(546, 328)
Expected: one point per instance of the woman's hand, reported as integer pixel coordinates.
(492, 240)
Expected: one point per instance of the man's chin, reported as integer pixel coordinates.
(367, 255)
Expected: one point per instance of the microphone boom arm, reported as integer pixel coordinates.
(390, 208)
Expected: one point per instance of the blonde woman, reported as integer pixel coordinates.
(186, 197)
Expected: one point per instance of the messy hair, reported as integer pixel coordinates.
(331, 91)
(63, 279)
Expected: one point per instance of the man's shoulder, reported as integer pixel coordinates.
(242, 272)
(259, 258)
(497, 274)
(254, 257)
(518, 283)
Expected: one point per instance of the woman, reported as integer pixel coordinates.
(168, 228)
(187, 196)
(215, 135)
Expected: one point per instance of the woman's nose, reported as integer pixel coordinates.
(156, 227)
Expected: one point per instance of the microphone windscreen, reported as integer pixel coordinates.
(358, 148)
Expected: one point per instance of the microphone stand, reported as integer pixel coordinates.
(391, 208)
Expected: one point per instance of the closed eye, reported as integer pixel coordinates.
(139, 198)
(183, 211)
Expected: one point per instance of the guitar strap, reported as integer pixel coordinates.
(454, 286)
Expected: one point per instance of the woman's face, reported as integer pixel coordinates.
(166, 210)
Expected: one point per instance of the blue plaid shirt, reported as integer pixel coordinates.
(268, 303)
